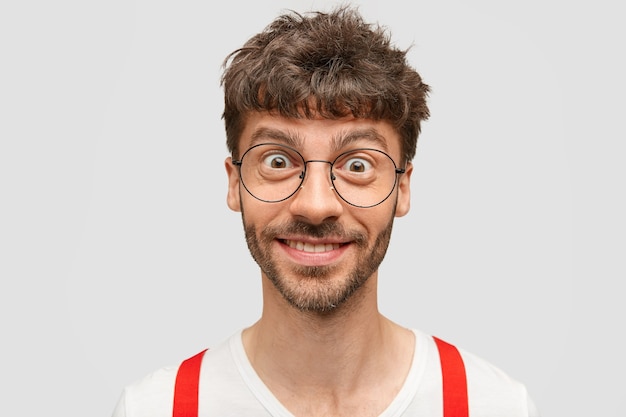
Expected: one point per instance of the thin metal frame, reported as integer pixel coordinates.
(302, 175)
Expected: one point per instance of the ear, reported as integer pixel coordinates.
(233, 197)
(404, 191)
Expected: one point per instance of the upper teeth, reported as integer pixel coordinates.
(310, 247)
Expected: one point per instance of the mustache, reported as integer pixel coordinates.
(319, 231)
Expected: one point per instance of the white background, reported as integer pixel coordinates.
(118, 254)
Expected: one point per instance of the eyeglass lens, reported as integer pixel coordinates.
(361, 177)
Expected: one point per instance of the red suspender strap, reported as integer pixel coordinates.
(455, 402)
(186, 387)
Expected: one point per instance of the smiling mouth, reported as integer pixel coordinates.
(312, 247)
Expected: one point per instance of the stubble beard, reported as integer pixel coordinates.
(315, 288)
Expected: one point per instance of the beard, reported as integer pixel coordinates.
(316, 288)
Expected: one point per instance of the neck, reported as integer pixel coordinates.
(337, 351)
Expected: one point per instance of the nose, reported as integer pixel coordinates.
(316, 200)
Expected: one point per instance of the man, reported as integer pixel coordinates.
(322, 116)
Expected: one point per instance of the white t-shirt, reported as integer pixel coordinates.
(229, 386)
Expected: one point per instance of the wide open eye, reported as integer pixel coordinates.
(277, 161)
(356, 165)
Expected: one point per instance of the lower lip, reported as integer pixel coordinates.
(314, 258)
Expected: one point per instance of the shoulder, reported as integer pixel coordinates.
(490, 387)
(148, 396)
(152, 395)
(491, 391)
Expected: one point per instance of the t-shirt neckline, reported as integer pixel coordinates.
(395, 409)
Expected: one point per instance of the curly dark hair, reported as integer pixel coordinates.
(330, 64)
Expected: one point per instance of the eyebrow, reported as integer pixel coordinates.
(338, 142)
(287, 138)
(344, 139)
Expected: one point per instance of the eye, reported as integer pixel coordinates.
(277, 161)
(357, 165)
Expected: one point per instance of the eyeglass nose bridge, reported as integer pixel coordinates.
(303, 173)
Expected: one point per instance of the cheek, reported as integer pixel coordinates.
(258, 213)
(377, 219)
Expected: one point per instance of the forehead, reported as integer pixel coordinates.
(320, 135)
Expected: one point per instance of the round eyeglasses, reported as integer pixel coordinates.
(272, 172)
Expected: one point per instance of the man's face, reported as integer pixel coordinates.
(316, 249)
